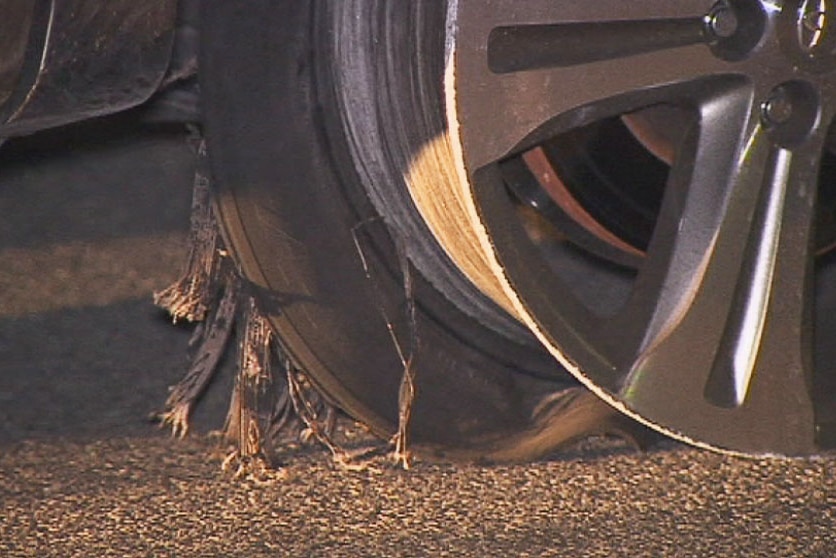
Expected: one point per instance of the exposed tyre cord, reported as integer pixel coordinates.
(293, 221)
(272, 400)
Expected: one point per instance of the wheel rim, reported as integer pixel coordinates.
(715, 342)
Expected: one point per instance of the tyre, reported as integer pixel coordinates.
(492, 193)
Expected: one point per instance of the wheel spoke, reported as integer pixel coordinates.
(617, 56)
(516, 48)
(697, 206)
(727, 283)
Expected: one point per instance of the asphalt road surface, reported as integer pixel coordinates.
(93, 220)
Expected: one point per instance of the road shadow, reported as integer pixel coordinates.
(95, 218)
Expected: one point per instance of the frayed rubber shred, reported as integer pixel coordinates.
(255, 347)
(209, 342)
(192, 295)
(406, 394)
(265, 410)
(309, 405)
(195, 294)
(245, 424)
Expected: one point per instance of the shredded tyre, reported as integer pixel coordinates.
(362, 306)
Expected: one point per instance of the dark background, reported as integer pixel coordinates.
(94, 218)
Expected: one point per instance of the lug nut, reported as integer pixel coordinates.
(778, 108)
(722, 21)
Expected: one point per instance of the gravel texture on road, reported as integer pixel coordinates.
(94, 219)
(156, 497)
